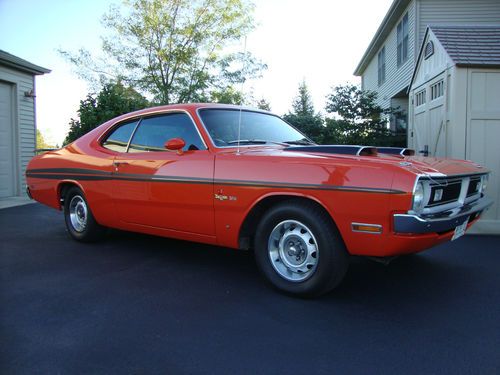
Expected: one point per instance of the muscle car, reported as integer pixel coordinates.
(245, 179)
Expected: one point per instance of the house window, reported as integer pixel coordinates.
(402, 39)
(420, 98)
(381, 66)
(437, 90)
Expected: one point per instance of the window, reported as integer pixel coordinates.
(118, 139)
(420, 98)
(224, 126)
(429, 50)
(381, 66)
(153, 132)
(402, 39)
(437, 90)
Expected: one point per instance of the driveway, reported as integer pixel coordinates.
(136, 304)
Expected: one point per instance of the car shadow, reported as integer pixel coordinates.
(419, 278)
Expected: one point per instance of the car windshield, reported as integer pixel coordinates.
(256, 128)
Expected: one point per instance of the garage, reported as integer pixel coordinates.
(17, 121)
(455, 103)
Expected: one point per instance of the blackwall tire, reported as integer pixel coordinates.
(299, 249)
(80, 222)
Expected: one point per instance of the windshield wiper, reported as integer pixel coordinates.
(302, 142)
(255, 142)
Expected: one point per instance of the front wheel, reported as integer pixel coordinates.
(299, 249)
(80, 221)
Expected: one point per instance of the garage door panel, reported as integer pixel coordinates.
(7, 176)
(484, 149)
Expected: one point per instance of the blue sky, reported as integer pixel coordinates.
(320, 41)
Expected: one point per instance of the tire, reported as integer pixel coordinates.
(80, 222)
(299, 249)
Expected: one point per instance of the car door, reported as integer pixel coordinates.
(165, 189)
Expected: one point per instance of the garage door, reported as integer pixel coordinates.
(483, 136)
(7, 175)
(429, 136)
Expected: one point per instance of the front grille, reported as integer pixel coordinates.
(448, 193)
(474, 186)
(444, 192)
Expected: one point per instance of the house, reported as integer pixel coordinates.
(17, 121)
(455, 111)
(388, 63)
(436, 61)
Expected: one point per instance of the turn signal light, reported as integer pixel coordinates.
(366, 228)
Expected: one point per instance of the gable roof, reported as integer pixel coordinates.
(20, 64)
(477, 46)
(393, 14)
(467, 46)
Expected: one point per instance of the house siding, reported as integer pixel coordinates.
(456, 12)
(24, 121)
(397, 78)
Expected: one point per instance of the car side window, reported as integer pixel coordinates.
(118, 139)
(153, 132)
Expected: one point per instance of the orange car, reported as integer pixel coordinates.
(245, 179)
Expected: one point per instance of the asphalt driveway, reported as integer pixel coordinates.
(136, 304)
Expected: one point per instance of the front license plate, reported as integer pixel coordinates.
(460, 230)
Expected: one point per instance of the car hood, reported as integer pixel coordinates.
(437, 167)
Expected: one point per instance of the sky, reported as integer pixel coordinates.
(319, 41)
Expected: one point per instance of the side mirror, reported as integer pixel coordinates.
(175, 144)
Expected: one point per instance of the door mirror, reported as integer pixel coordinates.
(175, 144)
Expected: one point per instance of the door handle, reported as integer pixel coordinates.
(118, 163)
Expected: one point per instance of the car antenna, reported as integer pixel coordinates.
(241, 90)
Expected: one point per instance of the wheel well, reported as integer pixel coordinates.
(62, 189)
(249, 226)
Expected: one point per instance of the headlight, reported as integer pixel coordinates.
(484, 182)
(418, 197)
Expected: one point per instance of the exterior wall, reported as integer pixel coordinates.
(457, 12)
(24, 121)
(396, 78)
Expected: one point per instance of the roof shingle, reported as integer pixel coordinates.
(470, 45)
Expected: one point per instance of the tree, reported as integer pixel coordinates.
(174, 50)
(229, 95)
(40, 141)
(359, 120)
(264, 105)
(303, 116)
(113, 100)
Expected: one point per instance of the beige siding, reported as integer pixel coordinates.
(24, 121)
(457, 12)
(396, 78)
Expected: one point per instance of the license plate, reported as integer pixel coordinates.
(460, 230)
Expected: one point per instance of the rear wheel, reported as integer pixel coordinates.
(80, 221)
(299, 249)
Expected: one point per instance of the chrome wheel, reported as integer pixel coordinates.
(78, 213)
(293, 250)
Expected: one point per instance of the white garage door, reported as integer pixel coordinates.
(7, 175)
(483, 136)
(429, 136)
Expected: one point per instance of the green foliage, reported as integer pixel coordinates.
(264, 105)
(40, 141)
(113, 100)
(229, 95)
(359, 120)
(303, 116)
(174, 50)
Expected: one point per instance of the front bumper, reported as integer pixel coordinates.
(442, 222)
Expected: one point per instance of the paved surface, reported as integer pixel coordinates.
(14, 201)
(136, 304)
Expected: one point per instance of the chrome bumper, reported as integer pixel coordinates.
(441, 222)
